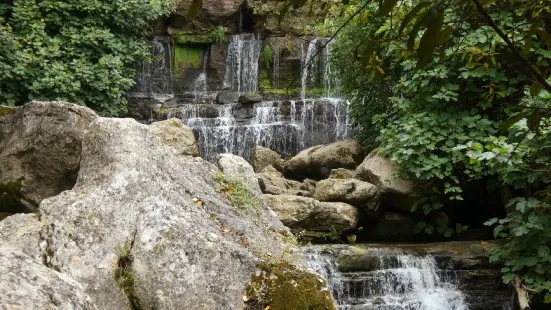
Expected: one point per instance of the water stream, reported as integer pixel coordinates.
(400, 282)
(242, 63)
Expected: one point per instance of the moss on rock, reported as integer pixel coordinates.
(283, 286)
(5, 110)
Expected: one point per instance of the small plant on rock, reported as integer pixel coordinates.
(239, 194)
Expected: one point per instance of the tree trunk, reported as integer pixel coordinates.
(522, 294)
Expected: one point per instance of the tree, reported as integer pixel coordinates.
(458, 93)
(79, 51)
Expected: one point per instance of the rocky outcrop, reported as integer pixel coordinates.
(318, 161)
(262, 157)
(40, 145)
(398, 193)
(239, 168)
(22, 231)
(358, 193)
(341, 173)
(27, 284)
(272, 182)
(177, 135)
(227, 97)
(143, 226)
(213, 13)
(309, 214)
(250, 98)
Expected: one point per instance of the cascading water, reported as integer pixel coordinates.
(287, 127)
(401, 282)
(308, 65)
(153, 78)
(242, 63)
(331, 80)
(200, 84)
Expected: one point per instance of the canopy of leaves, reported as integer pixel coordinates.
(83, 51)
(457, 92)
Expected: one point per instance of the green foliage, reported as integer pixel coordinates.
(124, 276)
(267, 56)
(239, 194)
(438, 89)
(79, 51)
(217, 35)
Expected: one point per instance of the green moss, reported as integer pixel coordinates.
(4, 110)
(264, 81)
(124, 276)
(267, 55)
(181, 39)
(310, 92)
(187, 56)
(240, 195)
(282, 287)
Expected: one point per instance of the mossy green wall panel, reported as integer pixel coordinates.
(187, 57)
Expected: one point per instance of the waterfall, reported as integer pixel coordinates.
(154, 77)
(275, 69)
(200, 83)
(286, 127)
(331, 82)
(401, 282)
(242, 63)
(307, 65)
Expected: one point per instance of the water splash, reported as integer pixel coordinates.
(242, 63)
(402, 282)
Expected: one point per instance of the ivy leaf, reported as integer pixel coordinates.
(386, 6)
(411, 15)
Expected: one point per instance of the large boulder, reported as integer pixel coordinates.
(355, 192)
(250, 98)
(237, 167)
(27, 284)
(22, 231)
(227, 97)
(147, 228)
(341, 173)
(309, 214)
(262, 157)
(398, 193)
(318, 161)
(174, 133)
(40, 146)
(272, 182)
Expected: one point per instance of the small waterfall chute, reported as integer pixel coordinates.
(242, 63)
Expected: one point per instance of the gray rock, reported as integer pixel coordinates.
(226, 97)
(394, 227)
(261, 157)
(238, 167)
(306, 213)
(141, 212)
(341, 173)
(250, 98)
(40, 143)
(358, 193)
(272, 182)
(177, 135)
(318, 161)
(22, 232)
(27, 284)
(398, 193)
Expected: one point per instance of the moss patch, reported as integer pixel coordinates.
(240, 195)
(282, 286)
(4, 110)
(187, 56)
(124, 276)
(10, 193)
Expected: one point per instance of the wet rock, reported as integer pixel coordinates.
(394, 227)
(227, 97)
(262, 157)
(213, 13)
(341, 173)
(146, 227)
(40, 146)
(177, 135)
(398, 193)
(22, 232)
(306, 213)
(27, 284)
(318, 161)
(357, 193)
(250, 98)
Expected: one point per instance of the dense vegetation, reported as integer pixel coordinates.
(80, 51)
(435, 87)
